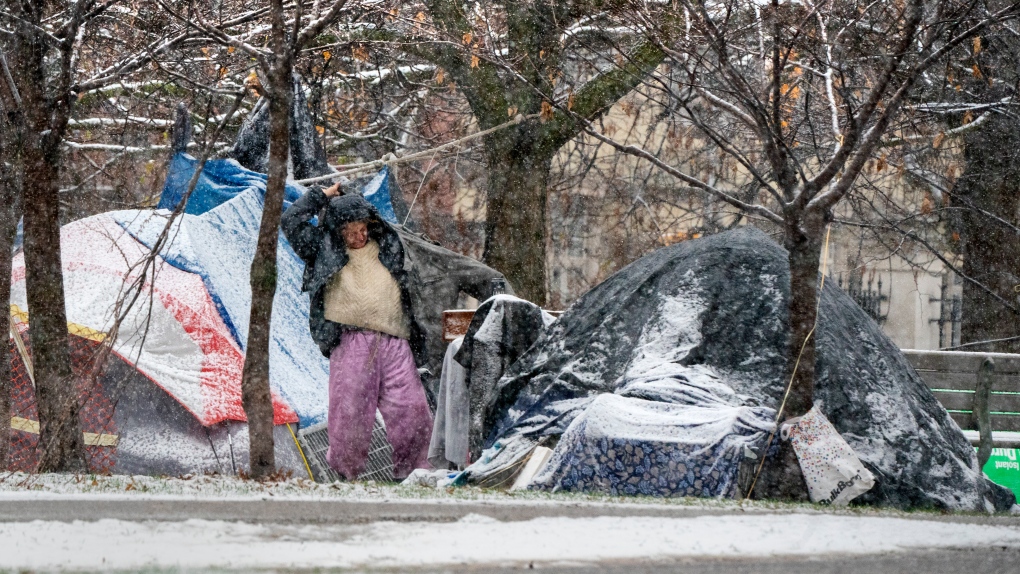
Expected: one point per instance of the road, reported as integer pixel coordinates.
(921, 562)
(292, 517)
(296, 511)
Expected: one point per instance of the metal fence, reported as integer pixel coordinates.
(95, 415)
(314, 442)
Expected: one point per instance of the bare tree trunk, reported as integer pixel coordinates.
(56, 394)
(60, 434)
(256, 396)
(781, 477)
(255, 392)
(804, 258)
(990, 189)
(515, 234)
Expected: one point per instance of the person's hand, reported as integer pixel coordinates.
(333, 190)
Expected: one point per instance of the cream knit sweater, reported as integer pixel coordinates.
(364, 294)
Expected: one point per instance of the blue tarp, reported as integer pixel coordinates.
(377, 192)
(223, 179)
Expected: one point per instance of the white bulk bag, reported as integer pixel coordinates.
(833, 473)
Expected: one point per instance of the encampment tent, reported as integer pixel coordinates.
(169, 399)
(664, 373)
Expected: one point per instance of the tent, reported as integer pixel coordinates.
(697, 333)
(170, 394)
(168, 400)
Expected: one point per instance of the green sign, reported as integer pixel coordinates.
(1003, 467)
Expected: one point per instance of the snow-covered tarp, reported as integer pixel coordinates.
(173, 335)
(220, 181)
(628, 446)
(218, 246)
(224, 179)
(708, 318)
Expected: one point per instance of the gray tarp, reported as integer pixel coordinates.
(718, 306)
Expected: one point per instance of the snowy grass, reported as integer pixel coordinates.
(218, 487)
(230, 487)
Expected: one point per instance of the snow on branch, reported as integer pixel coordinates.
(350, 169)
(941, 135)
(125, 149)
(957, 107)
(113, 122)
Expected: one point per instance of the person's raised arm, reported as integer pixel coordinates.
(304, 237)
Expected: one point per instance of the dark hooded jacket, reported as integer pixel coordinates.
(324, 252)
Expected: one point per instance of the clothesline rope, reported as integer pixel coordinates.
(344, 170)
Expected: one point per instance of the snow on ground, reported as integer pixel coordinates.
(474, 540)
(23, 486)
(764, 529)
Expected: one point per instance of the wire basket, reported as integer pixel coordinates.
(315, 441)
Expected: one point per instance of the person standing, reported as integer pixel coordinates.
(361, 317)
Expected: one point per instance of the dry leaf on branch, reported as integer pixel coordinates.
(547, 111)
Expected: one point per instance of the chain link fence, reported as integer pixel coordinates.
(96, 414)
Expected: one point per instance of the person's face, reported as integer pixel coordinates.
(355, 234)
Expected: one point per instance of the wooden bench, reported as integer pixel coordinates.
(981, 391)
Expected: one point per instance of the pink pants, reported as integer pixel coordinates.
(370, 370)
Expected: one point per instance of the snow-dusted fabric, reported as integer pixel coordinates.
(502, 329)
(221, 180)
(364, 294)
(721, 304)
(369, 371)
(832, 471)
(307, 157)
(217, 247)
(453, 417)
(377, 192)
(174, 334)
(627, 446)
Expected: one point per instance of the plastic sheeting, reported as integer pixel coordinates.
(377, 192)
(628, 446)
(224, 179)
(502, 329)
(449, 442)
(714, 311)
(218, 246)
(220, 181)
(173, 335)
